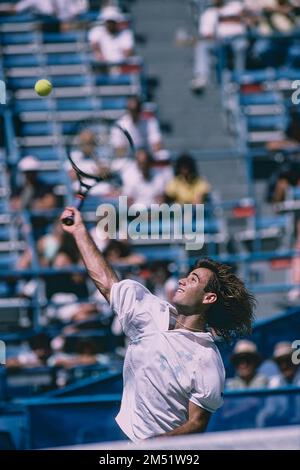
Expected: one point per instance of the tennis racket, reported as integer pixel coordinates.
(91, 146)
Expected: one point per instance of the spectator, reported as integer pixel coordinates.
(246, 360)
(141, 183)
(37, 355)
(287, 177)
(283, 409)
(187, 187)
(289, 372)
(118, 252)
(66, 282)
(293, 295)
(160, 281)
(48, 246)
(144, 131)
(272, 17)
(110, 43)
(221, 21)
(34, 194)
(65, 11)
(85, 353)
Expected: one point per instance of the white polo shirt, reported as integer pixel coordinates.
(113, 47)
(163, 369)
(144, 133)
(211, 21)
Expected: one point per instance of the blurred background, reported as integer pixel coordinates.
(205, 88)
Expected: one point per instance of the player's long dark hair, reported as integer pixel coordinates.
(232, 314)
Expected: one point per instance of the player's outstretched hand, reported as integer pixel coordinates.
(70, 213)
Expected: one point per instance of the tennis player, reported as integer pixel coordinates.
(173, 372)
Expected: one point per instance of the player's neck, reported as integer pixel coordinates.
(191, 322)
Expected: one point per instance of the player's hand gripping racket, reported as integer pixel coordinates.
(91, 147)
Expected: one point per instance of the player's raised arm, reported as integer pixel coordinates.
(98, 269)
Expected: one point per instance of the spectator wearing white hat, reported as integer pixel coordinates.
(109, 42)
(246, 360)
(289, 372)
(33, 193)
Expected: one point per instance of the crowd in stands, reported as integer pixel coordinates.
(248, 27)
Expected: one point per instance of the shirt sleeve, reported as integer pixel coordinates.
(94, 34)
(117, 137)
(138, 310)
(127, 40)
(207, 391)
(208, 22)
(154, 134)
(24, 5)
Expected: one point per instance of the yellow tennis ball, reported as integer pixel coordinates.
(43, 87)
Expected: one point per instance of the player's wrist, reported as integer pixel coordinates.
(79, 230)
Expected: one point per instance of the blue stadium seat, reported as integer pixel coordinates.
(8, 260)
(4, 232)
(17, 83)
(278, 221)
(254, 76)
(69, 80)
(63, 37)
(74, 104)
(293, 59)
(43, 153)
(15, 38)
(32, 105)
(21, 60)
(17, 18)
(37, 128)
(287, 73)
(274, 122)
(65, 59)
(122, 79)
(114, 103)
(266, 98)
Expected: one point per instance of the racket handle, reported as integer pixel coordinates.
(77, 204)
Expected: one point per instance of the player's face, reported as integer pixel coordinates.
(190, 291)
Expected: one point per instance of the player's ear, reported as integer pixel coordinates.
(210, 298)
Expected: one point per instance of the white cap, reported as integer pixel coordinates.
(111, 14)
(284, 348)
(245, 347)
(29, 163)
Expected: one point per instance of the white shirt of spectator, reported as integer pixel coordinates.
(277, 381)
(140, 190)
(62, 9)
(113, 47)
(163, 369)
(144, 133)
(44, 7)
(210, 24)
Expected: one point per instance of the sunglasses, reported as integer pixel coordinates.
(248, 358)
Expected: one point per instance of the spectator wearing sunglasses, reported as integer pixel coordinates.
(246, 361)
